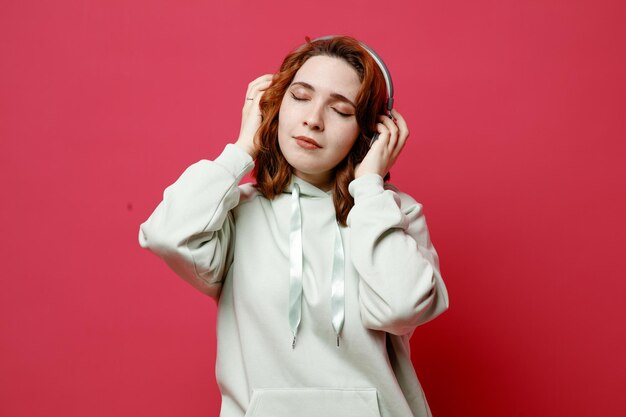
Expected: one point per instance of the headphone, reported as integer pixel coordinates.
(386, 74)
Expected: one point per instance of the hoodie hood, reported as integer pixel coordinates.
(306, 188)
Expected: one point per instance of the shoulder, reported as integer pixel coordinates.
(248, 193)
(405, 200)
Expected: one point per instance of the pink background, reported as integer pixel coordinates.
(517, 151)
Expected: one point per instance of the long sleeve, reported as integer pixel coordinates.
(192, 229)
(401, 285)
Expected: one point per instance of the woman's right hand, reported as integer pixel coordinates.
(251, 115)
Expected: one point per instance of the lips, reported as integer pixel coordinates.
(307, 143)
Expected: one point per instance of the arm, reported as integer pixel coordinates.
(192, 228)
(401, 286)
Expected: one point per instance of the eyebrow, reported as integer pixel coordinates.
(333, 95)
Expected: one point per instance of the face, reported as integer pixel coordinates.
(317, 124)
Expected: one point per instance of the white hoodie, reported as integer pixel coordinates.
(231, 243)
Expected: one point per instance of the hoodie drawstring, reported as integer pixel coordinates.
(295, 264)
(337, 299)
(337, 296)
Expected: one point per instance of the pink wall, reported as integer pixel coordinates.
(517, 152)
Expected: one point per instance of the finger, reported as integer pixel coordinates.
(261, 84)
(389, 123)
(393, 132)
(402, 135)
(254, 95)
(256, 81)
(402, 126)
(260, 79)
(383, 137)
(257, 90)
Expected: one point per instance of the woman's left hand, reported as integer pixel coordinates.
(385, 150)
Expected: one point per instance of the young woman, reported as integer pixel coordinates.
(321, 270)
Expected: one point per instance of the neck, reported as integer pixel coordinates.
(322, 181)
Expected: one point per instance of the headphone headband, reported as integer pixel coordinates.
(381, 64)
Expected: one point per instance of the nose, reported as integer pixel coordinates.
(314, 118)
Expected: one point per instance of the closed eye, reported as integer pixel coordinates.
(297, 98)
(343, 114)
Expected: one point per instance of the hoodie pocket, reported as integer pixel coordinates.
(314, 402)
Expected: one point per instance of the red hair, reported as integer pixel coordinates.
(272, 171)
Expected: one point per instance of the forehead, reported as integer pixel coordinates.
(330, 75)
